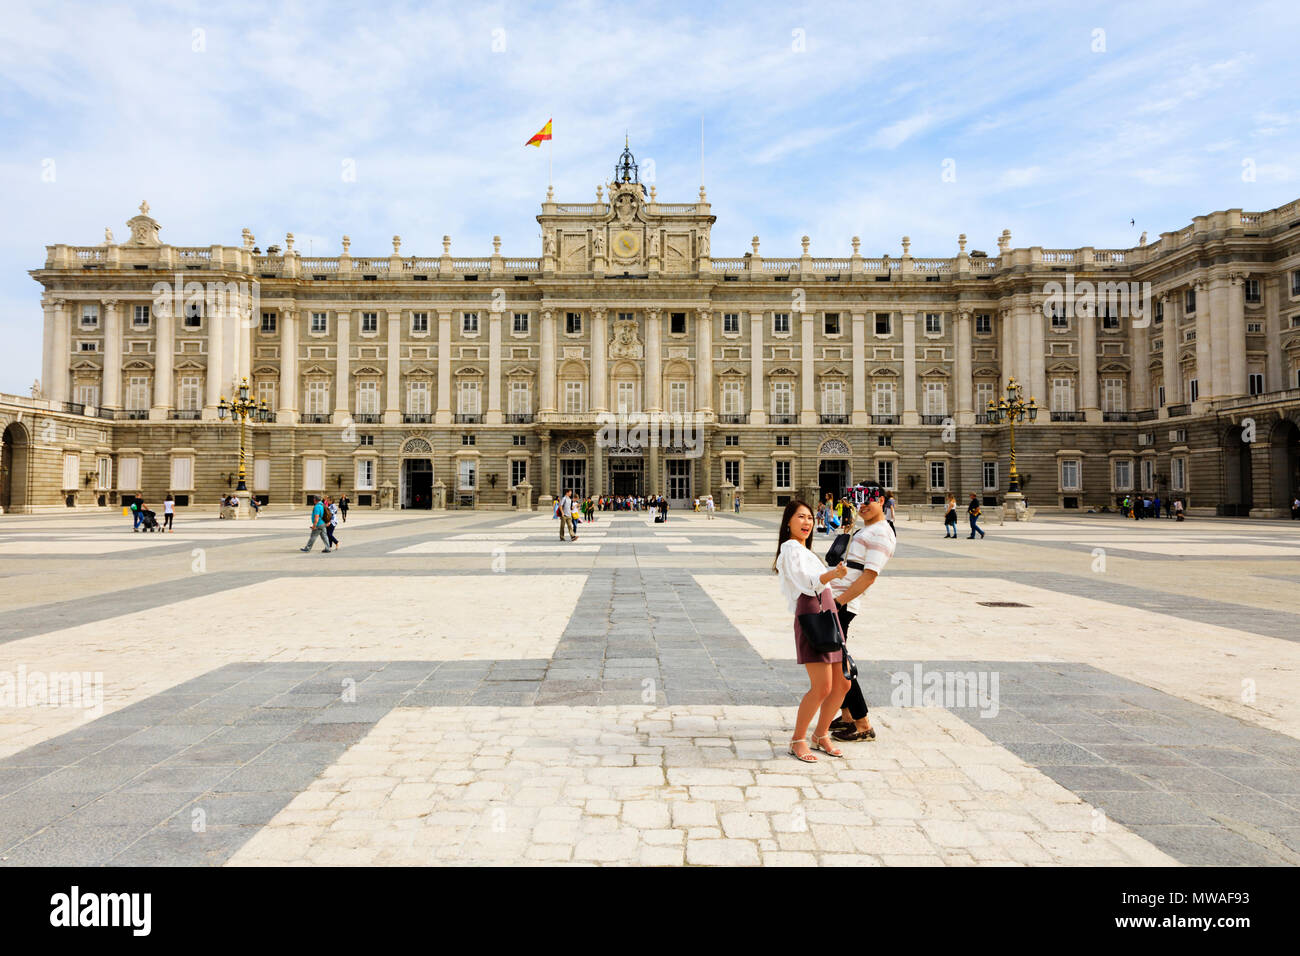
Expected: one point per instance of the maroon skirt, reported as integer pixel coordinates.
(803, 649)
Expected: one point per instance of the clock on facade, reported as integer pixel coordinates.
(626, 244)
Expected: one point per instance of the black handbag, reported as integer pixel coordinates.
(822, 630)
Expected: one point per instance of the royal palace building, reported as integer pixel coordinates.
(628, 358)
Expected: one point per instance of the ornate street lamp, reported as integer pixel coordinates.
(1011, 410)
(243, 408)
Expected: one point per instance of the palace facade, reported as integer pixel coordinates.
(415, 381)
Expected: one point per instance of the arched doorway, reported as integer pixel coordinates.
(1238, 475)
(1284, 467)
(416, 476)
(833, 468)
(13, 469)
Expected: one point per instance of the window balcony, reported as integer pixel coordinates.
(519, 418)
(1178, 411)
(742, 419)
(466, 418)
(1067, 416)
(884, 419)
(315, 418)
(934, 419)
(784, 419)
(366, 418)
(1147, 415)
(417, 418)
(130, 414)
(76, 408)
(1119, 416)
(982, 418)
(186, 414)
(834, 419)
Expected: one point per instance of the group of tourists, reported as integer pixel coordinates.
(145, 519)
(326, 515)
(1142, 506)
(832, 516)
(825, 597)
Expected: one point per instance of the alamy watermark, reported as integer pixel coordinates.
(633, 432)
(1118, 300)
(193, 299)
(83, 690)
(950, 689)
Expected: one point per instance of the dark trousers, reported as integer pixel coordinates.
(853, 700)
(974, 526)
(167, 520)
(329, 531)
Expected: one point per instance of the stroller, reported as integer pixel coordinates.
(149, 521)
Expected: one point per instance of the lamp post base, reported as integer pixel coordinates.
(1013, 507)
(245, 509)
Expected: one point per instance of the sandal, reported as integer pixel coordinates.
(806, 758)
(853, 736)
(817, 745)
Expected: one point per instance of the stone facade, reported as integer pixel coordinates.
(417, 381)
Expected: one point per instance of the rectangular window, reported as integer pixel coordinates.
(262, 474)
(733, 398)
(89, 346)
(267, 392)
(782, 398)
(831, 323)
(936, 398)
(519, 441)
(313, 474)
(520, 325)
(832, 398)
(1112, 395)
(731, 441)
(1148, 474)
(193, 314)
(1295, 283)
(369, 322)
(320, 322)
(677, 323)
(933, 323)
(783, 474)
(883, 398)
(1255, 327)
(1256, 383)
(1123, 474)
(417, 398)
(182, 478)
(368, 440)
(71, 471)
(1062, 395)
(990, 476)
(1070, 474)
(1160, 396)
(1109, 320)
(938, 475)
(188, 392)
(141, 317)
(731, 471)
(87, 395)
(419, 323)
(780, 323)
(1251, 289)
(468, 474)
(573, 323)
(469, 398)
(521, 398)
(518, 471)
(885, 473)
(573, 398)
(137, 393)
(104, 474)
(90, 316)
(1059, 321)
(268, 322)
(1194, 390)
(983, 323)
(677, 398)
(468, 439)
(983, 395)
(625, 401)
(884, 323)
(1189, 301)
(1160, 312)
(469, 323)
(783, 440)
(318, 397)
(365, 474)
(367, 398)
(731, 323)
(128, 474)
(1178, 474)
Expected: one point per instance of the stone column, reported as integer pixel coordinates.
(1037, 385)
(965, 385)
(1204, 343)
(288, 413)
(546, 465)
(706, 477)
(1007, 350)
(164, 351)
(494, 370)
(652, 486)
(1087, 366)
(807, 373)
(1235, 330)
(910, 416)
(546, 372)
(1275, 377)
(1220, 339)
(47, 347)
(1020, 331)
(393, 373)
(599, 360)
(342, 369)
(1141, 379)
(597, 463)
(757, 399)
(704, 361)
(58, 387)
(111, 392)
(215, 375)
(860, 415)
(443, 414)
(1169, 357)
(245, 318)
(653, 359)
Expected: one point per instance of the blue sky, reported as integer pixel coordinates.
(830, 120)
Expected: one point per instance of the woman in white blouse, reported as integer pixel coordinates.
(804, 578)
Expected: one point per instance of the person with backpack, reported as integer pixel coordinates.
(973, 513)
(867, 554)
(950, 518)
(317, 525)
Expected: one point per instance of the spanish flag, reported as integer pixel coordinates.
(542, 134)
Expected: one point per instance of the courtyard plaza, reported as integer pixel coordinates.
(462, 687)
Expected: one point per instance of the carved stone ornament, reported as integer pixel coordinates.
(625, 344)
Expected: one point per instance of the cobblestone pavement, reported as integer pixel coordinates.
(463, 688)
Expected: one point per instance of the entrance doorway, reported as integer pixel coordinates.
(679, 482)
(417, 483)
(1238, 474)
(626, 476)
(573, 476)
(833, 477)
(1285, 465)
(13, 469)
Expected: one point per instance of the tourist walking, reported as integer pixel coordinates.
(1178, 510)
(136, 504)
(736, 506)
(566, 515)
(973, 512)
(343, 508)
(868, 552)
(709, 507)
(663, 509)
(318, 527)
(888, 511)
(331, 520)
(950, 518)
(169, 505)
(804, 579)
